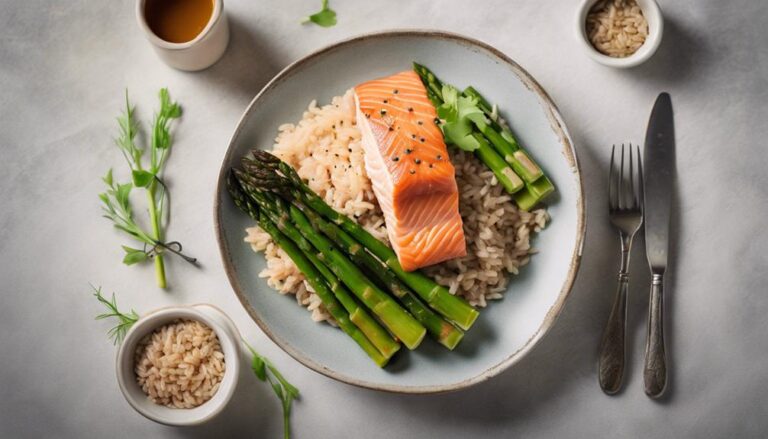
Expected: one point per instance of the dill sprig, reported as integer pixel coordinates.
(285, 391)
(116, 199)
(125, 320)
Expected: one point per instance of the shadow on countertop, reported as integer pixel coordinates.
(247, 65)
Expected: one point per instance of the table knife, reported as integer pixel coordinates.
(659, 169)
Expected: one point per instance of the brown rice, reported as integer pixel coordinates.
(324, 147)
(616, 28)
(180, 365)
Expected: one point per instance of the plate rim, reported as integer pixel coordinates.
(558, 125)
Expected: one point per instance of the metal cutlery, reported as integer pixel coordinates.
(625, 207)
(659, 157)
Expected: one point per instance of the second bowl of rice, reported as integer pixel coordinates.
(180, 365)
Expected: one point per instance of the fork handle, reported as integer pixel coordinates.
(612, 357)
(655, 370)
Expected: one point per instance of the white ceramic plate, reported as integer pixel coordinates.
(506, 329)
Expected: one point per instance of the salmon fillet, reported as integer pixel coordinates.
(410, 171)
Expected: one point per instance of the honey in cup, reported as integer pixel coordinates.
(178, 21)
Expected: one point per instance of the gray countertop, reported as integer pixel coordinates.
(63, 69)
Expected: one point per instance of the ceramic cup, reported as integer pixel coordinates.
(655, 20)
(197, 54)
(229, 337)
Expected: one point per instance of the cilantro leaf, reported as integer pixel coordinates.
(325, 18)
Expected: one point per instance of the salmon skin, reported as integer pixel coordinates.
(410, 171)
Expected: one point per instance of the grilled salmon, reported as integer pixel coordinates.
(411, 173)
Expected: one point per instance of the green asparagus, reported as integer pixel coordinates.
(305, 266)
(507, 152)
(436, 296)
(444, 332)
(398, 321)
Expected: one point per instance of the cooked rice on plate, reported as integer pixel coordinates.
(325, 149)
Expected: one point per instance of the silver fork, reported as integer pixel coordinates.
(625, 207)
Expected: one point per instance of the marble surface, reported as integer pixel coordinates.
(63, 68)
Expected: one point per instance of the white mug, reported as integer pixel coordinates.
(200, 52)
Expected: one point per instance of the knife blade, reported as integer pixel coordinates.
(659, 168)
(658, 176)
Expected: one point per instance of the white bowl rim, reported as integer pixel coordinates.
(569, 153)
(653, 14)
(147, 323)
(216, 14)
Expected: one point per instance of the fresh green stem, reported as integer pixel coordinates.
(125, 319)
(285, 391)
(154, 219)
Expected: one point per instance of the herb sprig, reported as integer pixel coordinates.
(285, 391)
(125, 320)
(116, 199)
(325, 18)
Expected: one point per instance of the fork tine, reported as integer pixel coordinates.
(611, 181)
(641, 184)
(632, 203)
(622, 184)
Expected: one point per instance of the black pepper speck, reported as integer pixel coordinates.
(395, 91)
(439, 156)
(408, 150)
(394, 159)
(417, 161)
(422, 140)
(420, 122)
(412, 172)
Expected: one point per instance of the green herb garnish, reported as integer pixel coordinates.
(126, 320)
(115, 201)
(459, 113)
(285, 391)
(325, 18)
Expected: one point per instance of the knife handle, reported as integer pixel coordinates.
(655, 370)
(612, 356)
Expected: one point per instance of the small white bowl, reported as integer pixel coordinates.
(230, 345)
(655, 20)
(197, 54)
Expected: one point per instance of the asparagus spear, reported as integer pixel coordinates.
(506, 176)
(504, 140)
(537, 185)
(435, 295)
(357, 314)
(401, 324)
(444, 332)
(313, 276)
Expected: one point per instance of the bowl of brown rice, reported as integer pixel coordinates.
(619, 33)
(180, 365)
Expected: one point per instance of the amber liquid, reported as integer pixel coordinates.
(178, 21)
